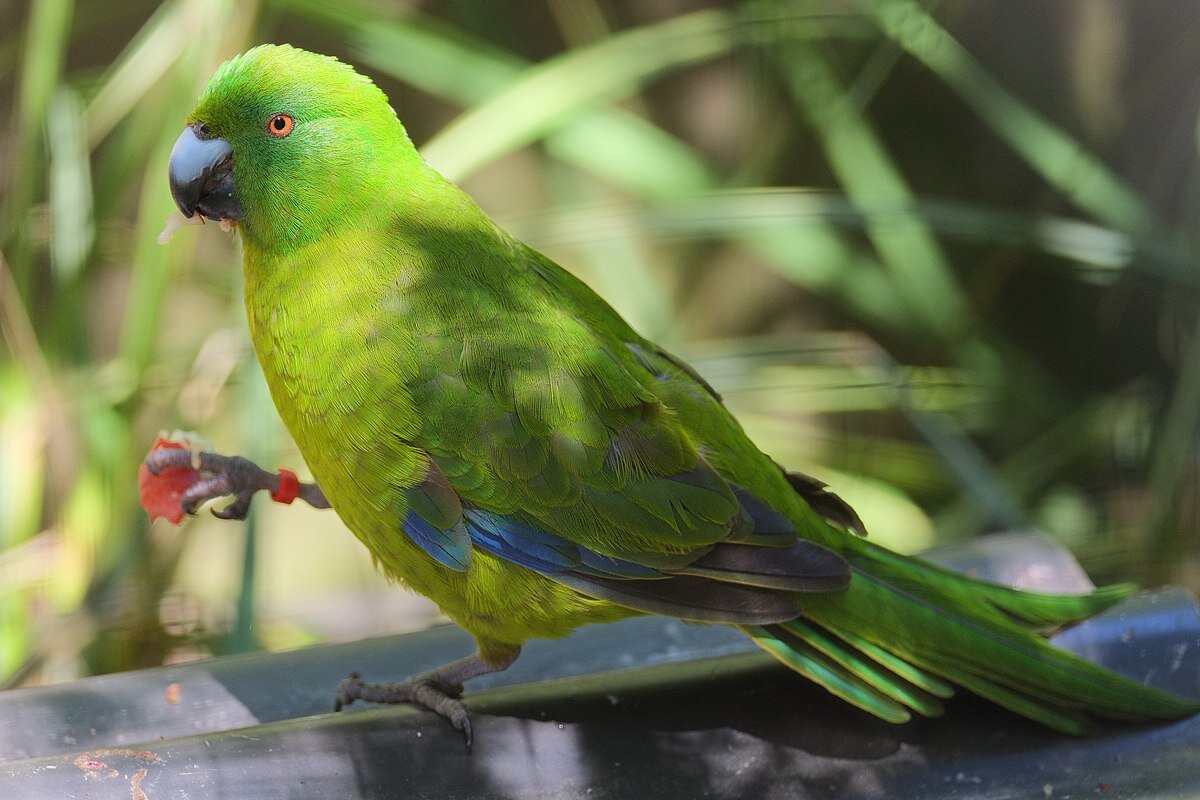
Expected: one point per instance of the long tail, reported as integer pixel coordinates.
(905, 632)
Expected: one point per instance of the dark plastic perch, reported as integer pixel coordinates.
(646, 708)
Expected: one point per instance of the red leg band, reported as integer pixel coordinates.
(289, 487)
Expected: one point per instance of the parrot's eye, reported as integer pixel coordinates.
(280, 125)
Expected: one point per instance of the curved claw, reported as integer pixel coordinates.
(464, 725)
(237, 510)
(349, 690)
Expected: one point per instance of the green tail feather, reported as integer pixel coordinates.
(905, 629)
(814, 665)
(867, 670)
(1033, 610)
(899, 666)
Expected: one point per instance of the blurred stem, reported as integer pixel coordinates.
(1177, 440)
(70, 188)
(18, 332)
(244, 639)
(260, 448)
(41, 65)
(579, 21)
(1025, 474)
(151, 274)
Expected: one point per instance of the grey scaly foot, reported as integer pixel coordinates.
(437, 690)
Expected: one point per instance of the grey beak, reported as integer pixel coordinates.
(201, 173)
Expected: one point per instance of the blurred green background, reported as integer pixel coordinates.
(941, 255)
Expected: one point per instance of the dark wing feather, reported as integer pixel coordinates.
(833, 508)
(692, 597)
(802, 567)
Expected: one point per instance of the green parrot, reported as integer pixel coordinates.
(504, 443)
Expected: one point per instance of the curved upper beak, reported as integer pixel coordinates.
(201, 172)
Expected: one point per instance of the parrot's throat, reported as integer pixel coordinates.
(332, 376)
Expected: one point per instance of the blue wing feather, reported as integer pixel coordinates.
(516, 541)
(449, 546)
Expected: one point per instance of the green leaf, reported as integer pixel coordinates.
(549, 93)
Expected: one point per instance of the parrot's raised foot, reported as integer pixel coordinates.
(437, 690)
(232, 476)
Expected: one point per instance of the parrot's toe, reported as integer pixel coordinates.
(231, 476)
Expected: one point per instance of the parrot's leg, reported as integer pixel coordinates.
(227, 476)
(438, 690)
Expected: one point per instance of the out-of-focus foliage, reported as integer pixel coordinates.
(940, 254)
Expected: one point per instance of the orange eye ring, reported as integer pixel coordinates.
(280, 125)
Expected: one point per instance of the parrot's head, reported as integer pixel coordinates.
(288, 144)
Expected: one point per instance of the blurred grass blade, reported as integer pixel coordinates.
(1029, 471)
(552, 91)
(1170, 475)
(796, 229)
(419, 49)
(45, 45)
(912, 256)
(41, 65)
(579, 21)
(151, 273)
(630, 152)
(22, 461)
(169, 33)
(1061, 160)
(20, 338)
(615, 144)
(147, 57)
(440, 59)
(1087, 245)
(72, 229)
